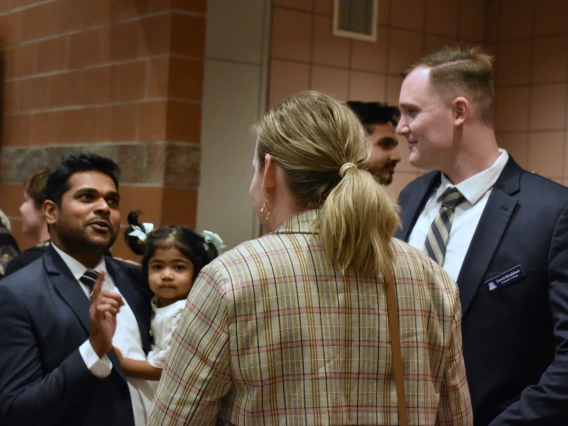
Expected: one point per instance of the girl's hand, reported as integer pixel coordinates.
(118, 354)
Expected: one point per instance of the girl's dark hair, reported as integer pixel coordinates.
(189, 243)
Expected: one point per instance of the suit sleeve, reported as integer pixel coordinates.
(546, 403)
(197, 374)
(455, 402)
(28, 396)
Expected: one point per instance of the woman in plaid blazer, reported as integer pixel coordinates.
(291, 328)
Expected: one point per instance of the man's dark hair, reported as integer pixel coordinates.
(75, 162)
(374, 113)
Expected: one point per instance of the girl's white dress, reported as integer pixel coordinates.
(164, 324)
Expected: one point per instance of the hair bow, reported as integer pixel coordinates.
(142, 232)
(215, 239)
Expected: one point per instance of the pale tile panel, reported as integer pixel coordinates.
(408, 14)
(550, 59)
(393, 89)
(404, 48)
(472, 19)
(491, 21)
(511, 109)
(516, 18)
(514, 60)
(546, 154)
(327, 48)
(516, 144)
(435, 42)
(231, 38)
(367, 87)
(384, 11)
(548, 107)
(324, 7)
(333, 81)
(370, 56)
(286, 78)
(442, 17)
(230, 107)
(306, 5)
(551, 17)
(291, 35)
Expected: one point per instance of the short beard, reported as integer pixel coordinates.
(84, 245)
(388, 180)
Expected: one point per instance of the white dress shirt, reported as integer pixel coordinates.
(476, 191)
(126, 338)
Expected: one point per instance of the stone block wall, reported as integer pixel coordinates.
(123, 78)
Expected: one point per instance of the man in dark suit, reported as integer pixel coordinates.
(498, 230)
(60, 315)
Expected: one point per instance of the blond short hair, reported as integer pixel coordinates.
(457, 71)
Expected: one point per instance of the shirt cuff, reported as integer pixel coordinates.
(100, 367)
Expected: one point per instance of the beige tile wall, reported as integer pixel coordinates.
(530, 39)
(236, 56)
(304, 54)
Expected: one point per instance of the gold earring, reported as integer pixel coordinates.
(265, 207)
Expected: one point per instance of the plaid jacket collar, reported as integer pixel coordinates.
(303, 223)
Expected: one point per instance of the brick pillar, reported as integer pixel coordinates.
(122, 78)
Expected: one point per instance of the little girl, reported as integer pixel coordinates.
(173, 256)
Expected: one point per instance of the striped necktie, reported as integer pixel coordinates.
(89, 278)
(439, 232)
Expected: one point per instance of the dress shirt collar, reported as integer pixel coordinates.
(476, 186)
(76, 267)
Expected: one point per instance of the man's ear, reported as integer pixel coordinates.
(269, 174)
(50, 212)
(461, 109)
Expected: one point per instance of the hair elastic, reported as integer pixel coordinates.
(346, 167)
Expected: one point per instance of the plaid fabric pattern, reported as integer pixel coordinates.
(272, 334)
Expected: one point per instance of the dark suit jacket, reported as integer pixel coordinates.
(44, 319)
(25, 258)
(511, 335)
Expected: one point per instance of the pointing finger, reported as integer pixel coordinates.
(98, 285)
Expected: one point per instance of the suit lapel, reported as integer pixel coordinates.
(488, 234)
(72, 293)
(415, 205)
(67, 287)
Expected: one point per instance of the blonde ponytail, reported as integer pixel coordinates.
(357, 222)
(311, 137)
